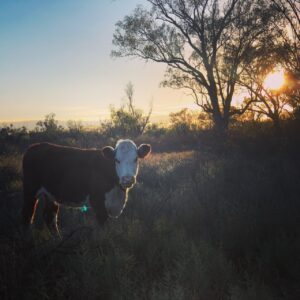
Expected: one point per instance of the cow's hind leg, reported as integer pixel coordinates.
(30, 203)
(50, 215)
(31, 186)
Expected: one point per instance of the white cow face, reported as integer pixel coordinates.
(126, 156)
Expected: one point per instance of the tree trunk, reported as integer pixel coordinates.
(220, 119)
(276, 126)
(220, 125)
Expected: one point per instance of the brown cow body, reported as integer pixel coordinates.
(69, 175)
(66, 175)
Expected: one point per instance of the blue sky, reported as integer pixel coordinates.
(55, 57)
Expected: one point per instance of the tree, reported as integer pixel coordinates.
(281, 52)
(290, 9)
(186, 121)
(75, 127)
(205, 45)
(273, 104)
(262, 100)
(289, 49)
(48, 125)
(289, 31)
(128, 120)
(267, 102)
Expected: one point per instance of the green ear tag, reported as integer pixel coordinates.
(84, 208)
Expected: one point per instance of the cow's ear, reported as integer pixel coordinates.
(108, 152)
(144, 150)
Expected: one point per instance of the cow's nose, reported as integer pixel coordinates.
(127, 181)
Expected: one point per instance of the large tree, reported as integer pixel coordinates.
(289, 50)
(279, 53)
(204, 43)
(289, 30)
(290, 9)
(264, 101)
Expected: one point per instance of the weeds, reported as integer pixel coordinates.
(198, 225)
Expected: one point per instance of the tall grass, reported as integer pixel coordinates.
(198, 225)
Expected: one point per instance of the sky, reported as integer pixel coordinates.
(55, 58)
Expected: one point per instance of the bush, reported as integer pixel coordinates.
(10, 169)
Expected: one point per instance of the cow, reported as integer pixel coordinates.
(69, 176)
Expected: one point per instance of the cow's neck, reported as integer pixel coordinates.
(110, 177)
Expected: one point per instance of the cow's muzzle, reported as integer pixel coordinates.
(127, 182)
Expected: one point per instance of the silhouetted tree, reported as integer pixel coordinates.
(185, 121)
(290, 9)
(281, 52)
(263, 101)
(204, 43)
(289, 49)
(127, 120)
(48, 125)
(75, 127)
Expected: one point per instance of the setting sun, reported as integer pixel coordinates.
(274, 80)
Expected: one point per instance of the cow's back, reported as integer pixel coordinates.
(63, 171)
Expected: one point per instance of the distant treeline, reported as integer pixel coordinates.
(185, 130)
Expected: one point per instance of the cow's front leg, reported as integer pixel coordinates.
(115, 201)
(50, 215)
(97, 201)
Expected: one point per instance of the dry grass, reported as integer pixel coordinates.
(197, 226)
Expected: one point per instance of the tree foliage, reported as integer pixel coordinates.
(290, 9)
(281, 52)
(75, 127)
(204, 43)
(263, 101)
(186, 121)
(127, 120)
(48, 125)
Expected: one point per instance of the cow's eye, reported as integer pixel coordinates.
(135, 160)
(117, 161)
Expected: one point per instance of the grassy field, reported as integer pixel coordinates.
(199, 224)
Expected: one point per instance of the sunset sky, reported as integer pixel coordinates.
(55, 57)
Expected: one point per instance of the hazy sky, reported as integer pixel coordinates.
(55, 57)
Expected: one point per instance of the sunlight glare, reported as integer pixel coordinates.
(84, 208)
(274, 80)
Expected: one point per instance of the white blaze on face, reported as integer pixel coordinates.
(115, 201)
(126, 158)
